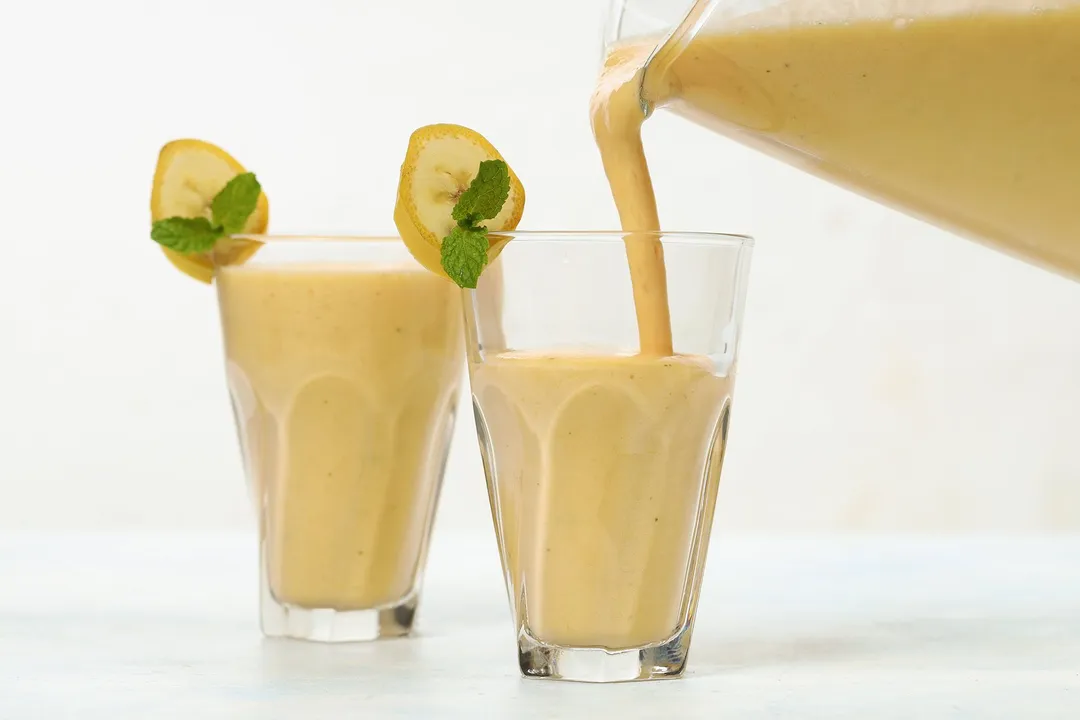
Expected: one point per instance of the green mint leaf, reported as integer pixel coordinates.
(186, 235)
(486, 194)
(234, 204)
(464, 255)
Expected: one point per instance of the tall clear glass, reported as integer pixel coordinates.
(961, 113)
(344, 359)
(602, 463)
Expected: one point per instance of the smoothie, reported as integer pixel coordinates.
(343, 379)
(606, 472)
(961, 113)
(617, 117)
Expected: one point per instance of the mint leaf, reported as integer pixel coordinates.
(186, 235)
(464, 255)
(464, 251)
(486, 194)
(234, 204)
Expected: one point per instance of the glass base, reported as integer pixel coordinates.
(280, 620)
(597, 665)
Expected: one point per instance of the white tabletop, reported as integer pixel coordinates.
(154, 626)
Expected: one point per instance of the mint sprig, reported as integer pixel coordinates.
(230, 210)
(486, 194)
(233, 206)
(185, 235)
(464, 255)
(464, 250)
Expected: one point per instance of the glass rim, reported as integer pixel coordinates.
(691, 237)
(269, 238)
(679, 236)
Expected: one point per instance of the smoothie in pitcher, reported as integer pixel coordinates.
(961, 113)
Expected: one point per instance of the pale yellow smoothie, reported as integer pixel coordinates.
(617, 117)
(344, 379)
(606, 471)
(961, 113)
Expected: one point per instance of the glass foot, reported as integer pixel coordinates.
(598, 665)
(280, 620)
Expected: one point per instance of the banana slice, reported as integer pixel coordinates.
(189, 174)
(441, 162)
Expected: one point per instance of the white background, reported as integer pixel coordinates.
(894, 378)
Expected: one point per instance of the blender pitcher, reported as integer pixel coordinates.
(959, 112)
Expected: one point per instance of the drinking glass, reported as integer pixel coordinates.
(603, 463)
(344, 358)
